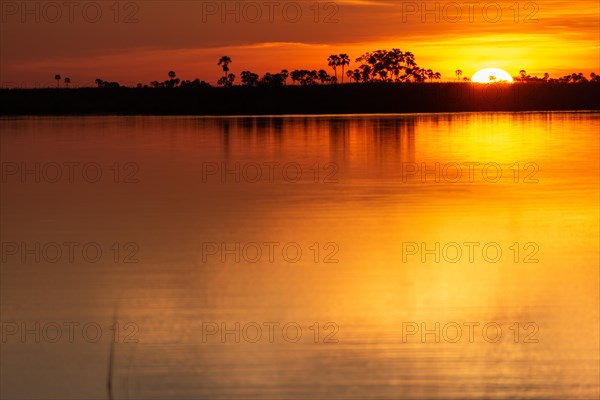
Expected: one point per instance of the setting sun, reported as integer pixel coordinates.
(491, 75)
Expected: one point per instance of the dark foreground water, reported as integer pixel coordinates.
(365, 257)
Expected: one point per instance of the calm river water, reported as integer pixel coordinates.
(448, 256)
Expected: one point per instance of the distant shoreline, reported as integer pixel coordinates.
(339, 99)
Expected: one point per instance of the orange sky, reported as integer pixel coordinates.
(141, 42)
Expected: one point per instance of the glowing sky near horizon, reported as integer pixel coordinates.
(141, 41)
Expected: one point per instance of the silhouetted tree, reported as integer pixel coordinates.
(458, 73)
(522, 76)
(295, 75)
(249, 78)
(350, 74)
(344, 60)
(366, 72)
(429, 74)
(193, 84)
(333, 61)
(323, 76)
(106, 84)
(224, 63)
(272, 80)
(394, 65)
(409, 65)
(58, 78)
(304, 77)
(67, 82)
(173, 81)
(284, 75)
(395, 62)
(420, 74)
(227, 81)
(366, 67)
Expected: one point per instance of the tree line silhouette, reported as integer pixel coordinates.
(377, 66)
(573, 78)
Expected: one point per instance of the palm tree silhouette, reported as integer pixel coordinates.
(172, 74)
(333, 61)
(344, 60)
(458, 73)
(67, 81)
(58, 78)
(224, 63)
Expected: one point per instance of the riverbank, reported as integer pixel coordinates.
(317, 99)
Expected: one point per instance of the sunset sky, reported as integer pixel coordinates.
(141, 41)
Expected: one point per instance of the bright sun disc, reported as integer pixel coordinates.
(491, 75)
